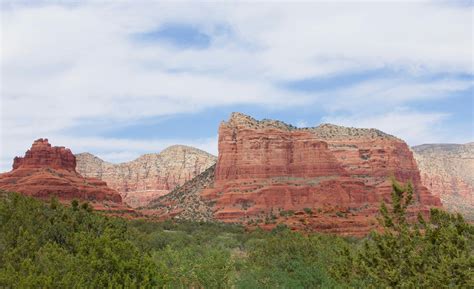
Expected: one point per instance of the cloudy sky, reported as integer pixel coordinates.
(122, 78)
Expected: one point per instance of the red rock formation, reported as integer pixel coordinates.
(43, 155)
(266, 168)
(47, 171)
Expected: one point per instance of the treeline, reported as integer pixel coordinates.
(55, 246)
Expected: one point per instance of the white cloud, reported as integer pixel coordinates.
(109, 149)
(63, 64)
(412, 126)
(384, 94)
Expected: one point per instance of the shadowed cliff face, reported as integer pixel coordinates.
(448, 172)
(149, 176)
(47, 171)
(267, 168)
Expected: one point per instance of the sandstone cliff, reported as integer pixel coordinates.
(447, 170)
(47, 171)
(328, 178)
(149, 176)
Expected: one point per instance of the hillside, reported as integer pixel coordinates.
(447, 170)
(149, 176)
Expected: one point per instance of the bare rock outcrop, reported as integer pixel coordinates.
(268, 171)
(447, 170)
(149, 176)
(185, 202)
(42, 154)
(47, 171)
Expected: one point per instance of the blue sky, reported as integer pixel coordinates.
(120, 79)
(175, 35)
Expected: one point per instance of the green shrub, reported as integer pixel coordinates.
(341, 214)
(287, 213)
(290, 260)
(53, 246)
(434, 254)
(57, 247)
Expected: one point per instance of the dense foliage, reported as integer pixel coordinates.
(421, 254)
(55, 246)
(59, 247)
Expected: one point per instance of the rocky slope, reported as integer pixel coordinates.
(47, 171)
(149, 176)
(447, 170)
(328, 178)
(185, 202)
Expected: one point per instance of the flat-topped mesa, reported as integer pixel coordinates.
(47, 171)
(274, 148)
(266, 168)
(332, 131)
(42, 155)
(262, 149)
(322, 131)
(241, 121)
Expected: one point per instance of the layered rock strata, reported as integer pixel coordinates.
(447, 170)
(149, 176)
(270, 172)
(185, 202)
(47, 171)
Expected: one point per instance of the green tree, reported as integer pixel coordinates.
(285, 259)
(57, 247)
(75, 204)
(424, 254)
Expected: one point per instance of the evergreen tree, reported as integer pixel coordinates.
(433, 254)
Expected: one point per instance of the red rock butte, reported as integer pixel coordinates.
(42, 155)
(47, 171)
(328, 178)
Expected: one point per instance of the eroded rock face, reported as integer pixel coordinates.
(271, 172)
(447, 170)
(42, 154)
(149, 176)
(185, 202)
(47, 171)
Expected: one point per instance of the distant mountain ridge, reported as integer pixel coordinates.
(447, 170)
(150, 175)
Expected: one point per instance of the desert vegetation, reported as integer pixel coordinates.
(49, 245)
